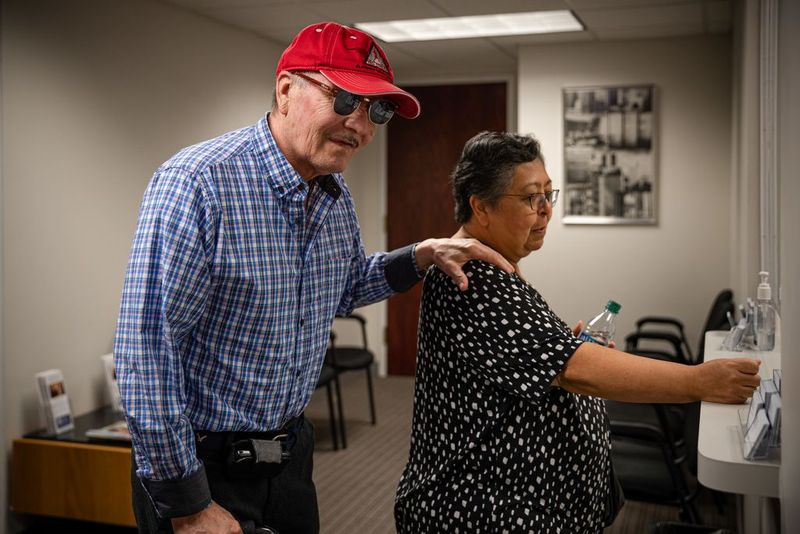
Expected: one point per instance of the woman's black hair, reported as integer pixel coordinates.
(487, 166)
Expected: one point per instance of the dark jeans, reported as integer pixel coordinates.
(286, 503)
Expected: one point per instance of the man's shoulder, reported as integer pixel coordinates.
(197, 158)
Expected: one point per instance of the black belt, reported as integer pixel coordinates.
(241, 446)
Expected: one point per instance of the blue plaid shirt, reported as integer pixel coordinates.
(229, 295)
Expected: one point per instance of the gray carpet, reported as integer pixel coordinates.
(356, 486)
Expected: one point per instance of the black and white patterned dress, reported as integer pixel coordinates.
(494, 447)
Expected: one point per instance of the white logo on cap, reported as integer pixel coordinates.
(374, 59)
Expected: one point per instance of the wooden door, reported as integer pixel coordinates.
(421, 155)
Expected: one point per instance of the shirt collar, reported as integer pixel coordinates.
(281, 176)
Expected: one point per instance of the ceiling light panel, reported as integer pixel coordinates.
(474, 26)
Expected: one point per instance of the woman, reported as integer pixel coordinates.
(509, 430)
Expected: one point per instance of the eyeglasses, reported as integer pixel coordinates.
(345, 102)
(551, 197)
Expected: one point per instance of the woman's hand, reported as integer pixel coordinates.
(576, 331)
(451, 254)
(727, 380)
(215, 518)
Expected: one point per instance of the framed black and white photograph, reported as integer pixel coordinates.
(609, 155)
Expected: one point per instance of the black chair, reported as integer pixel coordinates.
(329, 379)
(356, 358)
(650, 467)
(679, 423)
(674, 334)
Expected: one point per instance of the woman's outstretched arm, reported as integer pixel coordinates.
(604, 372)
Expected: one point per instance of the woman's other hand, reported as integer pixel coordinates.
(727, 380)
(452, 253)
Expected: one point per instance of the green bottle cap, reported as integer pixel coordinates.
(613, 306)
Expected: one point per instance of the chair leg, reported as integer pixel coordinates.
(342, 430)
(332, 417)
(371, 395)
(689, 513)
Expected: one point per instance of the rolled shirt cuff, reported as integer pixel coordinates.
(401, 269)
(178, 498)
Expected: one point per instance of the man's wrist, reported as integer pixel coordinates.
(423, 255)
(182, 497)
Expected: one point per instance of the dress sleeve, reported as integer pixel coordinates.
(503, 329)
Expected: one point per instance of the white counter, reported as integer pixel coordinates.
(720, 463)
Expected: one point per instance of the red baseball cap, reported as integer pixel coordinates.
(350, 59)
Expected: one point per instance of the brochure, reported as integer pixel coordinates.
(54, 401)
(110, 373)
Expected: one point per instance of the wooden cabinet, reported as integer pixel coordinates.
(73, 479)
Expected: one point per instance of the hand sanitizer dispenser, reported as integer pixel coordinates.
(766, 315)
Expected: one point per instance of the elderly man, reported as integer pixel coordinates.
(247, 246)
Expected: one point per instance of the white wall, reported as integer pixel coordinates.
(676, 267)
(95, 96)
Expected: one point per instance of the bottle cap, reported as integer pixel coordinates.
(613, 306)
(764, 290)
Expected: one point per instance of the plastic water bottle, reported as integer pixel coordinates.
(601, 329)
(766, 315)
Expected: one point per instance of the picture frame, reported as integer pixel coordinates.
(610, 165)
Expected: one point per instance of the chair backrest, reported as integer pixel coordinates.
(349, 328)
(717, 318)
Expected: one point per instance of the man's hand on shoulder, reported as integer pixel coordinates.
(214, 519)
(452, 253)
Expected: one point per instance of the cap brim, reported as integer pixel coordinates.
(407, 105)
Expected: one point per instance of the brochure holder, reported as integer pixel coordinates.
(760, 423)
(755, 439)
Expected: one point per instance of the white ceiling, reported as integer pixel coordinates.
(280, 20)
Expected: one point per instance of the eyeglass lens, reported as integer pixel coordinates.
(380, 111)
(540, 198)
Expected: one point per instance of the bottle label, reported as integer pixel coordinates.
(586, 337)
(591, 339)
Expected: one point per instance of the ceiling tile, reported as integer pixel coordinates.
(202, 5)
(477, 53)
(351, 11)
(482, 7)
(681, 18)
(512, 41)
(278, 22)
(595, 4)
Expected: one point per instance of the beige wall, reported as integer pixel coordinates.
(676, 267)
(789, 178)
(96, 95)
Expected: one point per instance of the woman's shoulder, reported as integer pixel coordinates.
(480, 274)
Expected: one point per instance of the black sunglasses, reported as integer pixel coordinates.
(345, 102)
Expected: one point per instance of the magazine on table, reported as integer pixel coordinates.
(117, 431)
